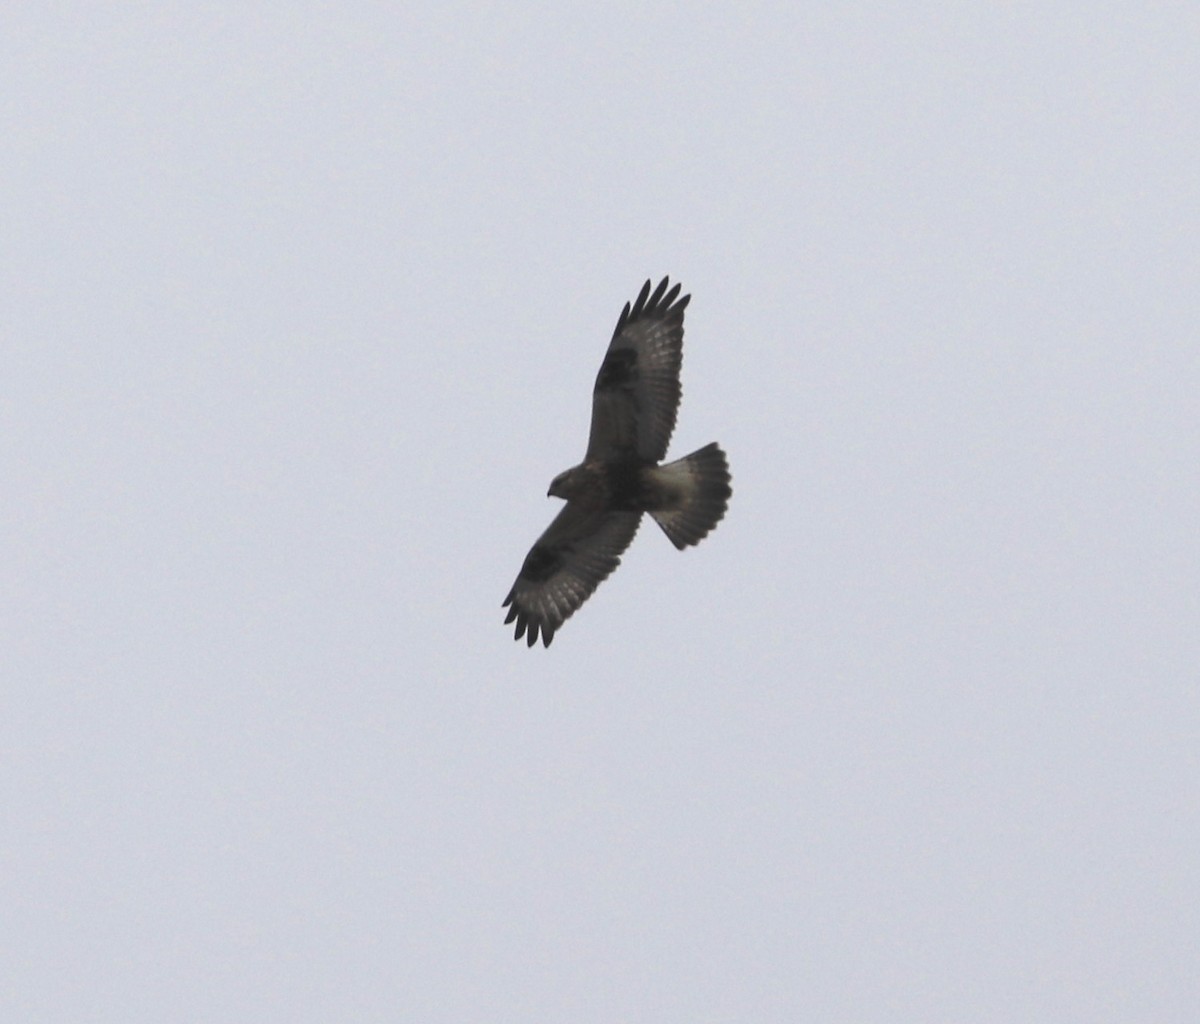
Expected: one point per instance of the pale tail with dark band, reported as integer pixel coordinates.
(699, 484)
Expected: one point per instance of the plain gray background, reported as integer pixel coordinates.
(301, 309)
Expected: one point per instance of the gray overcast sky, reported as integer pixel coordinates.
(301, 309)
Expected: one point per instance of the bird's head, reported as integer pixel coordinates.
(565, 485)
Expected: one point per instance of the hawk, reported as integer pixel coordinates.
(634, 403)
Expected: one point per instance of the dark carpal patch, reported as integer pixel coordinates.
(542, 563)
(618, 369)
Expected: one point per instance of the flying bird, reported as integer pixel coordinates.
(634, 403)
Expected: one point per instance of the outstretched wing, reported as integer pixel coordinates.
(637, 389)
(569, 561)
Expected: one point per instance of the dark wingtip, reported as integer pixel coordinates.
(528, 628)
(640, 302)
(647, 303)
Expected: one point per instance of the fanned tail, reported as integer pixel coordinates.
(697, 491)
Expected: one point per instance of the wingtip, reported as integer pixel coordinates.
(665, 298)
(655, 299)
(528, 628)
(639, 303)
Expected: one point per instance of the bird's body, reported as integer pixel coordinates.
(626, 486)
(634, 404)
